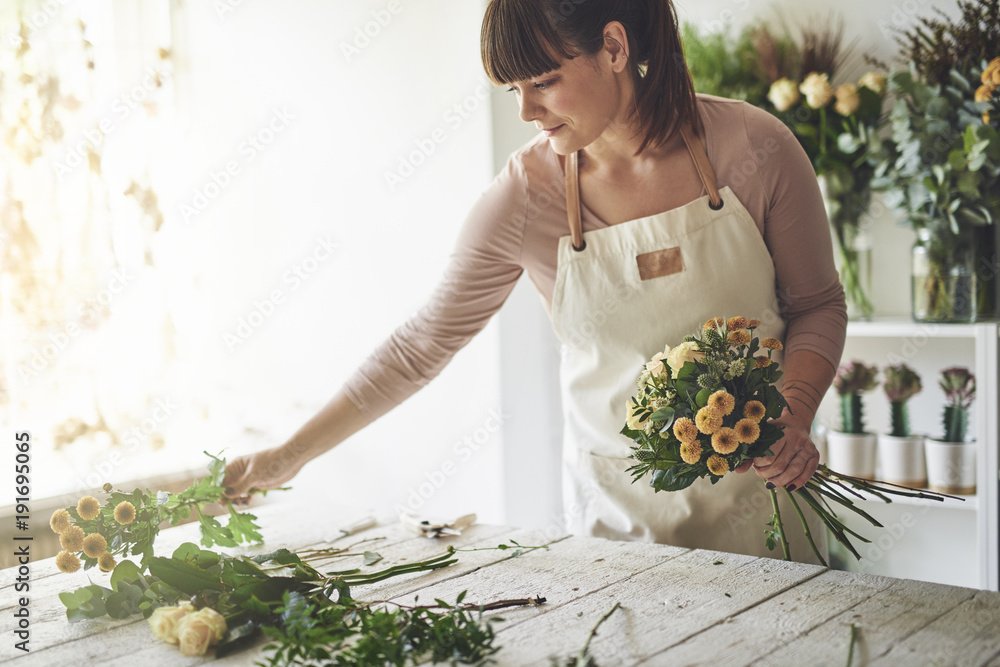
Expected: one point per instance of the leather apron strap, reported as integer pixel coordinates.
(698, 154)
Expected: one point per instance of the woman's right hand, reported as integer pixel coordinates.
(267, 469)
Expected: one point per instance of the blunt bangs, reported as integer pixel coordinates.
(518, 41)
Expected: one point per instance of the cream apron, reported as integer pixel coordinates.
(621, 294)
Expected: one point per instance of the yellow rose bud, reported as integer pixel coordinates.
(847, 99)
(783, 94)
(817, 89)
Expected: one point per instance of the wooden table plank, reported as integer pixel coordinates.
(968, 634)
(761, 629)
(885, 619)
(661, 606)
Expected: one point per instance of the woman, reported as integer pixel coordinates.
(616, 213)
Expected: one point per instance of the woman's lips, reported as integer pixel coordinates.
(552, 131)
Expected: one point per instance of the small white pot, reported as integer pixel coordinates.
(951, 466)
(851, 453)
(901, 460)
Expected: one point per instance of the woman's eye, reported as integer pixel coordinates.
(542, 85)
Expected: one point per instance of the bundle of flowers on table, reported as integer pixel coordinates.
(199, 599)
(709, 404)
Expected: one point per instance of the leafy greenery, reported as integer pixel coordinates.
(723, 65)
(309, 615)
(133, 533)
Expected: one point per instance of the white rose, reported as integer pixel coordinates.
(196, 632)
(847, 99)
(873, 81)
(632, 416)
(783, 94)
(163, 621)
(655, 365)
(682, 354)
(817, 89)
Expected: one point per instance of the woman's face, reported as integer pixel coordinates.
(573, 105)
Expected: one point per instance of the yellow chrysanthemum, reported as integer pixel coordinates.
(722, 401)
(747, 431)
(772, 344)
(738, 322)
(713, 323)
(724, 441)
(986, 117)
(992, 72)
(691, 452)
(739, 337)
(752, 324)
(71, 539)
(685, 430)
(67, 561)
(88, 508)
(717, 465)
(59, 521)
(106, 562)
(761, 362)
(754, 410)
(708, 420)
(94, 545)
(125, 512)
(984, 93)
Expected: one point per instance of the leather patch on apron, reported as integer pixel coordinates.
(659, 263)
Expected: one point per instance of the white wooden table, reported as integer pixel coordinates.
(678, 606)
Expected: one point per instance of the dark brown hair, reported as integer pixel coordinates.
(523, 39)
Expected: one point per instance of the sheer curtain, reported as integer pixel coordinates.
(312, 163)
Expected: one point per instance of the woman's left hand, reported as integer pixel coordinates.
(794, 461)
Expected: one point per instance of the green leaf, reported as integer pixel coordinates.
(126, 570)
(242, 527)
(183, 576)
(371, 558)
(212, 531)
(701, 400)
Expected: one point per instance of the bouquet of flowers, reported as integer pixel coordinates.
(708, 405)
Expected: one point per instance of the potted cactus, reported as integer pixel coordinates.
(852, 450)
(951, 461)
(901, 453)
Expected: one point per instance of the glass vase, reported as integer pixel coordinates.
(987, 264)
(944, 281)
(846, 207)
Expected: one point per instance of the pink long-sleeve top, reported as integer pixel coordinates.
(516, 225)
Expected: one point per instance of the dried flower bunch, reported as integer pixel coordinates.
(936, 46)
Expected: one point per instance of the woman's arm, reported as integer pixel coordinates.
(797, 234)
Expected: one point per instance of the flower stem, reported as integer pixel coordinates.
(777, 524)
(581, 660)
(805, 529)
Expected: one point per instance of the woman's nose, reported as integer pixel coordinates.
(529, 110)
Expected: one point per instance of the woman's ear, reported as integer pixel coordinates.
(616, 45)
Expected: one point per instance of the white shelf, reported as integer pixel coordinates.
(904, 327)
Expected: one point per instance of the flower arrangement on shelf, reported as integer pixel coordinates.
(941, 165)
(833, 125)
(709, 404)
(793, 78)
(900, 453)
(951, 462)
